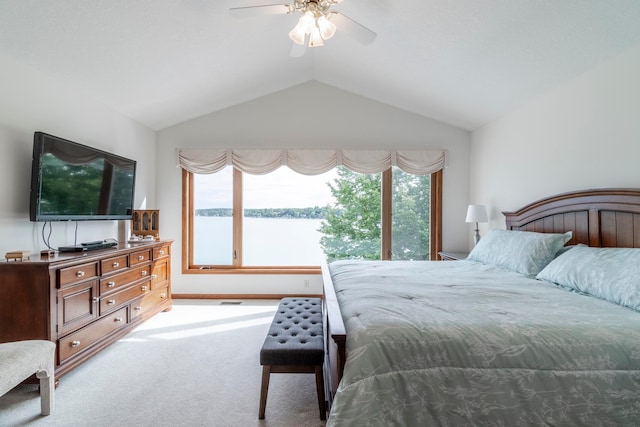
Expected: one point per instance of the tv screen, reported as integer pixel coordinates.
(74, 182)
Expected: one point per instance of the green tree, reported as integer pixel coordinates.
(352, 226)
(411, 213)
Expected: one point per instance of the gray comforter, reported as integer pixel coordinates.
(458, 343)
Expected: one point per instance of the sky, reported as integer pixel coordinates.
(282, 188)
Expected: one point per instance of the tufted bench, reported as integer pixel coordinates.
(294, 344)
(21, 359)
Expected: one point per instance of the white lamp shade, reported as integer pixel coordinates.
(307, 22)
(477, 213)
(316, 38)
(297, 35)
(327, 28)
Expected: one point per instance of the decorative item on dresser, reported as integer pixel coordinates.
(84, 301)
(17, 255)
(145, 224)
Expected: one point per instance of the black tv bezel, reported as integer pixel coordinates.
(36, 185)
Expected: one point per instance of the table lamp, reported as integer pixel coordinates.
(477, 213)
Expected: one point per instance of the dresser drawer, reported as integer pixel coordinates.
(114, 264)
(139, 257)
(161, 252)
(159, 274)
(77, 273)
(124, 296)
(151, 299)
(85, 337)
(117, 281)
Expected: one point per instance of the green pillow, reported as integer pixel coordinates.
(612, 274)
(524, 252)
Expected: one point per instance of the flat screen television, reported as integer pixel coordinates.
(75, 182)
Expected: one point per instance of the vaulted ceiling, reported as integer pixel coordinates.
(464, 62)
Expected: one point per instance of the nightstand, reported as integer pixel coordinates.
(452, 256)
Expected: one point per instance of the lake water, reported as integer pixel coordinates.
(267, 241)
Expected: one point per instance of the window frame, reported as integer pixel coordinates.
(435, 235)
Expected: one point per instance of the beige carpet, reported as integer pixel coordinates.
(196, 365)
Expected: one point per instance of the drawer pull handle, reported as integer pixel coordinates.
(111, 302)
(143, 273)
(111, 284)
(144, 287)
(138, 308)
(161, 252)
(163, 295)
(95, 299)
(75, 344)
(80, 273)
(118, 319)
(140, 257)
(154, 276)
(116, 264)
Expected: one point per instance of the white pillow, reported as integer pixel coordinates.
(524, 252)
(612, 274)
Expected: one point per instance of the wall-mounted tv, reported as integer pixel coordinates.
(74, 182)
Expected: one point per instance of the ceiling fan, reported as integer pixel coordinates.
(318, 22)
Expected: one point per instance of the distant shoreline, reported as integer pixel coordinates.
(289, 213)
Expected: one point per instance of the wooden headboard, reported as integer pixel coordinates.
(601, 217)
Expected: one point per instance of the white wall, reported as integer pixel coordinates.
(30, 102)
(312, 115)
(584, 134)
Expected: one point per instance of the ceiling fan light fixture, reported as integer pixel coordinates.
(316, 38)
(327, 28)
(297, 35)
(318, 20)
(307, 22)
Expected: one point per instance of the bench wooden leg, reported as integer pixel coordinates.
(46, 392)
(264, 389)
(320, 391)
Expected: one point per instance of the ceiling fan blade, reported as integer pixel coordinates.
(267, 9)
(353, 28)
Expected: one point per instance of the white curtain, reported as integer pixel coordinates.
(310, 162)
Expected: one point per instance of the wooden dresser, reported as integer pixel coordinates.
(84, 301)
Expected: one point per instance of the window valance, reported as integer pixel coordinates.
(310, 162)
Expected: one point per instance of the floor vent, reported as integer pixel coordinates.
(230, 302)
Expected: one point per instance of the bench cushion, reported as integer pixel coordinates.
(21, 359)
(295, 336)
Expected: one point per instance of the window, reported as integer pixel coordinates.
(279, 222)
(212, 218)
(283, 211)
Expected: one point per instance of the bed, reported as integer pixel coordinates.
(539, 326)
